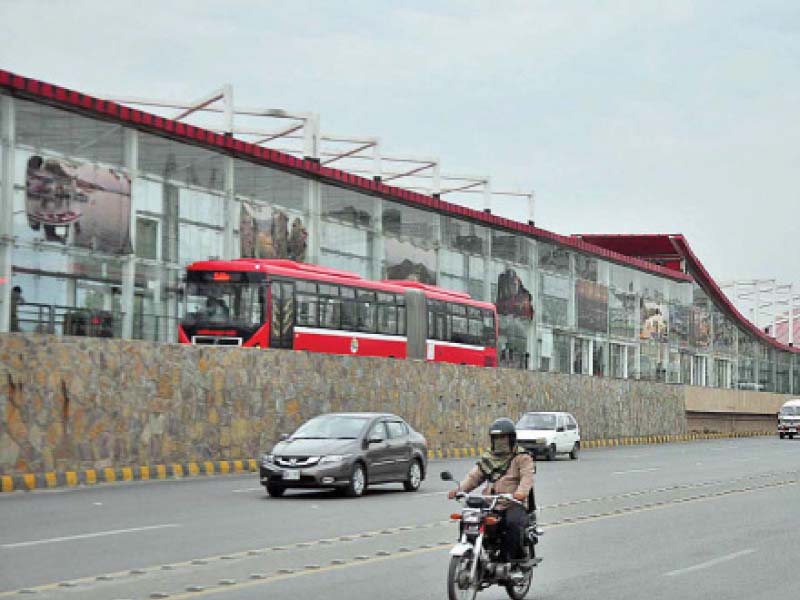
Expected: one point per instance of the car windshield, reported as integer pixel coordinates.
(537, 421)
(790, 411)
(331, 427)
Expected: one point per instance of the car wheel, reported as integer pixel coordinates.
(575, 449)
(791, 436)
(551, 452)
(358, 482)
(782, 435)
(276, 491)
(414, 479)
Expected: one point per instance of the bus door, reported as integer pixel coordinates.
(281, 315)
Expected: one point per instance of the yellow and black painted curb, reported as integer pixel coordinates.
(33, 481)
(472, 452)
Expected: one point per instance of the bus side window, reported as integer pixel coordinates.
(259, 305)
(365, 310)
(306, 310)
(348, 308)
(488, 329)
(460, 329)
(329, 312)
(475, 325)
(365, 314)
(387, 319)
(330, 306)
(401, 320)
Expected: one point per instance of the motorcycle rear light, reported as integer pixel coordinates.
(455, 516)
(490, 520)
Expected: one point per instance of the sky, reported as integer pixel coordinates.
(623, 116)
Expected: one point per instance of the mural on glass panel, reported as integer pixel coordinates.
(592, 305)
(701, 326)
(654, 316)
(680, 317)
(405, 260)
(268, 232)
(512, 297)
(80, 204)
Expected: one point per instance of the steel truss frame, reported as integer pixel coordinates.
(351, 153)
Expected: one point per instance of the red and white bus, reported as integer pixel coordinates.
(285, 304)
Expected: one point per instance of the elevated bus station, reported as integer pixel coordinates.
(107, 210)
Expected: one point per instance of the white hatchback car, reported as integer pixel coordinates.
(549, 434)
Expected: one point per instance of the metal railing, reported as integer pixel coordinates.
(37, 317)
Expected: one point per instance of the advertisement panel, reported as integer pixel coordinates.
(512, 297)
(592, 305)
(79, 204)
(266, 232)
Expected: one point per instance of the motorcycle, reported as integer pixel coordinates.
(476, 561)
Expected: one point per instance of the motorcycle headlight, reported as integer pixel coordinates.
(333, 458)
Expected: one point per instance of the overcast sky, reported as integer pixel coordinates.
(629, 116)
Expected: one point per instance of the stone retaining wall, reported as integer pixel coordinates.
(78, 403)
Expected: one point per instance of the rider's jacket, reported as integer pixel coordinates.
(518, 477)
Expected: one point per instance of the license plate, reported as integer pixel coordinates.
(291, 474)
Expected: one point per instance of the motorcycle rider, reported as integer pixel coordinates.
(506, 470)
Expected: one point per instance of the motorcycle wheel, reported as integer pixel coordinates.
(519, 591)
(458, 565)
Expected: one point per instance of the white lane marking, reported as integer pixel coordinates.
(710, 563)
(636, 471)
(429, 494)
(251, 489)
(84, 536)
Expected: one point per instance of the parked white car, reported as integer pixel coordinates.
(549, 434)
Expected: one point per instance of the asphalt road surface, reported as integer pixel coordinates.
(707, 519)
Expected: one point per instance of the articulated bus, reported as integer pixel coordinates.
(280, 303)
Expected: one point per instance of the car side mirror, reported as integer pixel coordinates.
(446, 476)
(560, 429)
(284, 437)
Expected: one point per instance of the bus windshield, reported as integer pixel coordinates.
(224, 303)
(790, 411)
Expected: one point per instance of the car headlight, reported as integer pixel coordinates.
(541, 440)
(268, 459)
(333, 458)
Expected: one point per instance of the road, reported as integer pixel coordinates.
(705, 519)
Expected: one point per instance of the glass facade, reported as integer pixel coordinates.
(104, 219)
